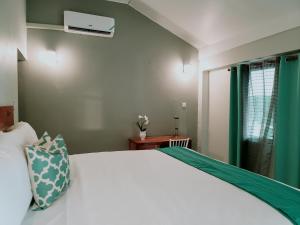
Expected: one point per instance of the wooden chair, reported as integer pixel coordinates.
(179, 142)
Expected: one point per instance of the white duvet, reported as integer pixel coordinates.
(150, 188)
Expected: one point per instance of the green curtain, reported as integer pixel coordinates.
(236, 113)
(287, 133)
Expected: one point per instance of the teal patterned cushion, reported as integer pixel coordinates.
(44, 141)
(49, 170)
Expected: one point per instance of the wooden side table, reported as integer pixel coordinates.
(153, 142)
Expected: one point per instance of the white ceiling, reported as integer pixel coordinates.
(214, 26)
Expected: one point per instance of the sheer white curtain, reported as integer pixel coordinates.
(260, 96)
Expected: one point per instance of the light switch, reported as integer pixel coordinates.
(183, 105)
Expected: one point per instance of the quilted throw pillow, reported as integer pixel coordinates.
(44, 141)
(49, 170)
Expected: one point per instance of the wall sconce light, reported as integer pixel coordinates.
(187, 69)
(48, 57)
(185, 72)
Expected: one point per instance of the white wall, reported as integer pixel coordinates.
(218, 118)
(13, 36)
(276, 44)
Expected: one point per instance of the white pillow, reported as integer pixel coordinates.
(15, 188)
(22, 134)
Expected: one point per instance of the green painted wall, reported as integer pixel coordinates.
(95, 89)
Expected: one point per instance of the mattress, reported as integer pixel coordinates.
(150, 188)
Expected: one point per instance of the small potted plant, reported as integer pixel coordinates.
(142, 124)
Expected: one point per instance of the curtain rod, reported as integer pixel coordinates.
(290, 56)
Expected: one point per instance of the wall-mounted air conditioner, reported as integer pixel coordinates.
(82, 23)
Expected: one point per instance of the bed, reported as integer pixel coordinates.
(149, 188)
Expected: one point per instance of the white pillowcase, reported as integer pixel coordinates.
(21, 135)
(15, 188)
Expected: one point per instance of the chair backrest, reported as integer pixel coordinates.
(179, 142)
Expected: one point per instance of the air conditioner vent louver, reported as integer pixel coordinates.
(89, 30)
(81, 23)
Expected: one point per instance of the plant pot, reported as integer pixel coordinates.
(143, 135)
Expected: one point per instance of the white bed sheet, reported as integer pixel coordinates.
(150, 188)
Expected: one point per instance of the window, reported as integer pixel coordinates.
(259, 105)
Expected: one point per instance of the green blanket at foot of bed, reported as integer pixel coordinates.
(281, 197)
